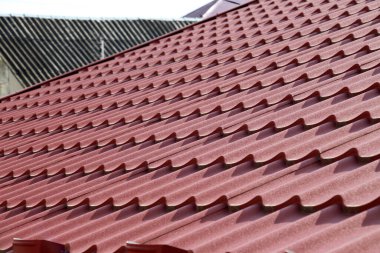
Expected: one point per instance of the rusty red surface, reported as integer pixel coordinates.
(254, 131)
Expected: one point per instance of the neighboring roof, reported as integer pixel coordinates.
(222, 6)
(37, 49)
(214, 8)
(254, 131)
(198, 13)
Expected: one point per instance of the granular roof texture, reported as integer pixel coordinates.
(254, 131)
(37, 49)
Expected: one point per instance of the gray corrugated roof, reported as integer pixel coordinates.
(37, 49)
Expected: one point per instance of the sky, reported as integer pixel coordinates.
(160, 9)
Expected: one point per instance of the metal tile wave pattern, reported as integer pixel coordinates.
(254, 131)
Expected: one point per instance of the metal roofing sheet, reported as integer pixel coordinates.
(254, 131)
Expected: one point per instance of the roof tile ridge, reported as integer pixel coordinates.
(224, 131)
(31, 174)
(222, 203)
(370, 62)
(221, 200)
(367, 47)
(178, 163)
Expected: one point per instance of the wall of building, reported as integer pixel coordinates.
(8, 82)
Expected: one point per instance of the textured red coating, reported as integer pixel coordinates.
(254, 131)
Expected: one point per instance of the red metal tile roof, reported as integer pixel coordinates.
(254, 131)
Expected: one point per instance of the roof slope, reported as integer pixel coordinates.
(254, 131)
(37, 49)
